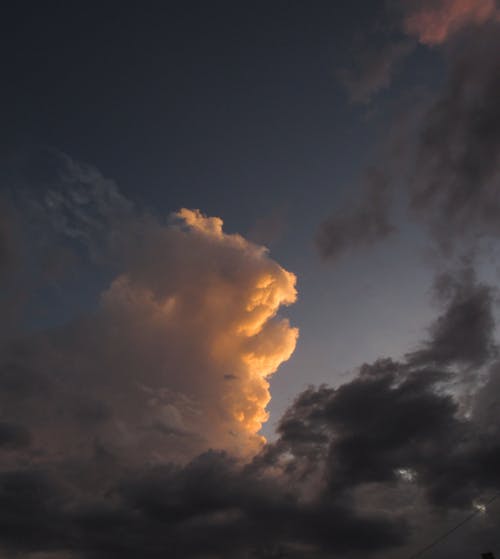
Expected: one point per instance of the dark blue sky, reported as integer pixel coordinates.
(232, 108)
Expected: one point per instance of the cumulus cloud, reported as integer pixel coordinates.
(433, 22)
(149, 369)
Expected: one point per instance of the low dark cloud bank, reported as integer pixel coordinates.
(107, 451)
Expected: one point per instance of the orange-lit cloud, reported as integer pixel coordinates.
(434, 22)
(213, 299)
(177, 358)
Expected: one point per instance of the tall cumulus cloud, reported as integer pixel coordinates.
(176, 357)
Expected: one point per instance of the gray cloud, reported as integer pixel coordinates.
(373, 68)
(210, 507)
(449, 172)
(463, 334)
(435, 22)
(456, 188)
(364, 225)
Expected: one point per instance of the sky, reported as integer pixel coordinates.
(248, 269)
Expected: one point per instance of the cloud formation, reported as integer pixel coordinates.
(364, 225)
(212, 298)
(463, 334)
(372, 69)
(399, 436)
(176, 357)
(449, 171)
(133, 431)
(433, 22)
(456, 183)
(357, 470)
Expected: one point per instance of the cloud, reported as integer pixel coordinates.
(464, 332)
(364, 225)
(398, 436)
(211, 507)
(78, 201)
(443, 156)
(433, 22)
(13, 436)
(361, 469)
(133, 430)
(392, 418)
(216, 295)
(456, 184)
(373, 68)
(147, 371)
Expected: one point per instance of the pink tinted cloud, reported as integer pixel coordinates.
(432, 23)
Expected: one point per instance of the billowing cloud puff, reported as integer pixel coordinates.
(174, 361)
(211, 299)
(433, 22)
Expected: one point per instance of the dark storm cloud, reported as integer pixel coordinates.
(211, 507)
(398, 418)
(389, 422)
(364, 225)
(32, 517)
(463, 334)
(384, 421)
